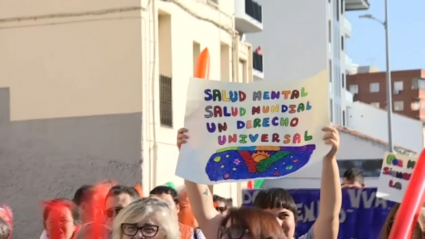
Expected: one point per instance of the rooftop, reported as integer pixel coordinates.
(397, 149)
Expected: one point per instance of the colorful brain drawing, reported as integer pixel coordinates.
(257, 162)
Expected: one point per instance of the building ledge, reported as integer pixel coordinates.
(357, 134)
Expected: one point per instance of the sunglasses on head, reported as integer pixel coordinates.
(221, 209)
(112, 212)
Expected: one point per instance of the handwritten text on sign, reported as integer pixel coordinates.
(395, 175)
(269, 103)
(249, 131)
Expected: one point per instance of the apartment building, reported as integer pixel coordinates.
(94, 90)
(408, 91)
(303, 38)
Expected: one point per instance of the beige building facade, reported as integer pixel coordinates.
(94, 90)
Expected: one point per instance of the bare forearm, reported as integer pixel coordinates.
(327, 223)
(201, 200)
(330, 190)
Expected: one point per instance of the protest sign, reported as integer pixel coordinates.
(247, 131)
(362, 213)
(395, 176)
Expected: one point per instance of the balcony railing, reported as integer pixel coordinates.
(257, 61)
(254, 10)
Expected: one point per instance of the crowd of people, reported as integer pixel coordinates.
(113, 211)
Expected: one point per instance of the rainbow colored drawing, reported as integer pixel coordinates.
(257, 162)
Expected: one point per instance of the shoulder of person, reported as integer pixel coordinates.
(309, 235)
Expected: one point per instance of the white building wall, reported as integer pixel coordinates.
(296, 44)
(175, 56)
(406, 132)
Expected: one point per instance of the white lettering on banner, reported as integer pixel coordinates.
(309, 212)
(248, 197)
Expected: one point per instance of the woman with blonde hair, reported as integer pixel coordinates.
(418, 231)
(146, 218)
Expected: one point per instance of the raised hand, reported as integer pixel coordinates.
(331, 137)
(181, 137)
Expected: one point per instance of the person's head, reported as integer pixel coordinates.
(93, 203)
(418, 231)
(4, 229)
(221, 204)
(280, 203)
(119, 197)
(353, 178)
(250, 223)
(79, 197)
(148, 217)
(60, 218)
(169, 195)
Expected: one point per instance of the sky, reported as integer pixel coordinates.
(406, 35)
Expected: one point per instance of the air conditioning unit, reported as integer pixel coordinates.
(397, 92)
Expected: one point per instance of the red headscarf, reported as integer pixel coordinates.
(7, 215)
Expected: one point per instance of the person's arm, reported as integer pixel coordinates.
(327, 223)
(201, 200)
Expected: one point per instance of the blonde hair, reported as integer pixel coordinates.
(418, 230)
(145, 207)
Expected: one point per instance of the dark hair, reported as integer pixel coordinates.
(227, 201)
(79, 194)
(276, 198)
(354, 175)
(166, 190)
(260, 224)
(121, 189)
(4, 229)
(49, 205)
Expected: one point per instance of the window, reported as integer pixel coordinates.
(398, 86)
(337, 10)
(330, 71)
(343, 118)
(398, 105)
(166, 101)
(196, 50)
(374, 87)
(421, 84)
(343, 80)
(415, 105)
(375, 104)
(342, 7)
(342, 43)
(331, 109)
(242, 71)
(225, 62)
(354, 89)
(330, 31)
(418, 83)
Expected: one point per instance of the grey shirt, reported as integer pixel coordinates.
(309, 235)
